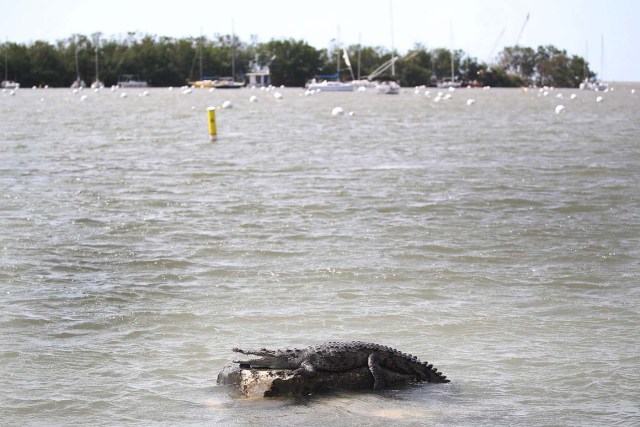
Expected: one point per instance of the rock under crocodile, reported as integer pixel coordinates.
(333, 365)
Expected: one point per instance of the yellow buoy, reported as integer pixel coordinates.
(211, 113)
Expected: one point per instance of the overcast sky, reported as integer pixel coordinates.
(480, 28)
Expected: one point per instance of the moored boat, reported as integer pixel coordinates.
(329, 86)
(595, 85)
(78, 83)
(130, 80)
(447, 83)
(217, 83)
(332, 82)
(388, 87)
(10, 84)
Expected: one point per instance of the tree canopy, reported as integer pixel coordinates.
(167, 61)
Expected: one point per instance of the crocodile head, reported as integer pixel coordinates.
(272, 359)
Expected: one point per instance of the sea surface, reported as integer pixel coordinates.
(500, 241)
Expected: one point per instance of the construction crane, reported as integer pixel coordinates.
(524, 25)
(495, 45)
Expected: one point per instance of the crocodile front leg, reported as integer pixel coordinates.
(306, 369)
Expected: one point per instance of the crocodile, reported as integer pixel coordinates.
(387, 365)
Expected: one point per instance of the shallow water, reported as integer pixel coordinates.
(499, 241)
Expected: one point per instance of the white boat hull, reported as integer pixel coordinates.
(388, 88)
(326, 86)
(10, 84)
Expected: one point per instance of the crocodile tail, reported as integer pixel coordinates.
(432, 375)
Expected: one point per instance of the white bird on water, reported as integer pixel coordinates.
(337, 111)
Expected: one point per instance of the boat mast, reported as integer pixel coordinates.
(97, 45)
(601, 57)
(75, 45)
(452, 66)
(586, 60)
(452, 70)
(393, 50)
(338, 49)
(233, 52)
(359, 52)
(200, 43)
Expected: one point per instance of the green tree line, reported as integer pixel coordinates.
(167, 61)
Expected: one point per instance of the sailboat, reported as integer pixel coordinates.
(219, 82)
(594, 84)
(391, 86)
(331, 82)
(450, 83)
(97, 84)
(447, 83)
(360, 83)
(203, 81)
(6, 83)
(78, 82)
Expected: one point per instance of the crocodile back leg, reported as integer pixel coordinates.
(374, 366)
